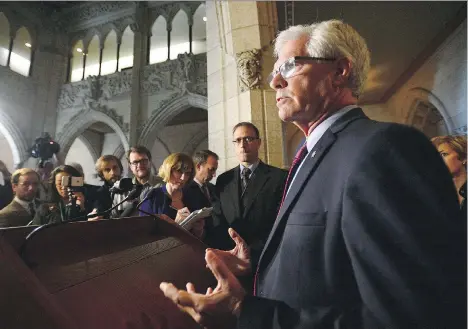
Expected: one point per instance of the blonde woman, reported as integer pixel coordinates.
(453, 151)
(171, 199)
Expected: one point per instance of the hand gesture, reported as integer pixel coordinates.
(238, 259)
(80, 199)
(95, 211)
(182, 214)
(218, 307)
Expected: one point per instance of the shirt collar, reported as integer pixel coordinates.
(197, 181)
(252, 167)
(24, 204)
(318, 132)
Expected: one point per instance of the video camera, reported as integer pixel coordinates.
(74, 184)
(44, 148)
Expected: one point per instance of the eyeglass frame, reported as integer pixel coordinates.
(246, 139)
(141, 162)
(273, 74)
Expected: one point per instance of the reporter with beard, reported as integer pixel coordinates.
(109, 169)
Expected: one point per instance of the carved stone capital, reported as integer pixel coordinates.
(249, 69)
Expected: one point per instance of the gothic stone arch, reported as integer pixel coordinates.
(161, 117)
(79, 123)
(15, 139)
(421, 94)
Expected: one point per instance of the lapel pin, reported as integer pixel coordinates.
(313, 154)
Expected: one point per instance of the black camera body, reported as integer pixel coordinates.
(44, 148)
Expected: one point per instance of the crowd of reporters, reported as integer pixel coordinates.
(181, 186)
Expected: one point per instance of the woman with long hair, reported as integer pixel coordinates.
(62, 204)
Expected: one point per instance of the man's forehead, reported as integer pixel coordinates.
(244, 131)
(28, 176)
(136, 155)
(111, 163)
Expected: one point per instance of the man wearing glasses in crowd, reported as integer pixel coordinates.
(249, 194)
(139, 159)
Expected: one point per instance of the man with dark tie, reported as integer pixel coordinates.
(21, 211)
(249, 194)
(206, 164)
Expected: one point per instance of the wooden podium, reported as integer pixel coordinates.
(98, 275)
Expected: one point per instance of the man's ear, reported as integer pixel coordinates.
(342, 72)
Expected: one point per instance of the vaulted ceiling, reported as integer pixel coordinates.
(400, 35)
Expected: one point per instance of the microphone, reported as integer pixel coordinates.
(122, 186)
(133, 194)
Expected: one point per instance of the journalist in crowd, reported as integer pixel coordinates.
(169, 200)
(63, 204)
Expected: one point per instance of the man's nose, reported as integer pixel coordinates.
(278, 82)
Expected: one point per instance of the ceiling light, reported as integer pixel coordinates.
(204, 18)
(27, 44)
(79, 50)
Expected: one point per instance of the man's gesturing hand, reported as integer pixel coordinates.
(217, 308)
(237, 260)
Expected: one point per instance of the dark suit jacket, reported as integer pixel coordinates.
(201, 201)
(368, 237)
(14, 215)
(261, 198)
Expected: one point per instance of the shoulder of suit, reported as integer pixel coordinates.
(274, 170)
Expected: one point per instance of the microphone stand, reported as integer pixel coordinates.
(133, 193)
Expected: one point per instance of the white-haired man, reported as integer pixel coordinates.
(366, 236)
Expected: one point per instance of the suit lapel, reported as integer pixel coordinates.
(309, 166)
(233, 196)
(255, 186)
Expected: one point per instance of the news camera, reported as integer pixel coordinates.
(44, 148)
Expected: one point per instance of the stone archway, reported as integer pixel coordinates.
(161, 117)
(15, 139)
(83, 121)
(420, 99)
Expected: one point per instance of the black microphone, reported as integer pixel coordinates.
(133, 194)
(122, 186)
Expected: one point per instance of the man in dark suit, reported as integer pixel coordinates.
(249, 194)
(206, 164)
(368, 234)
(200, 190)
(109, 169)
(21, 210)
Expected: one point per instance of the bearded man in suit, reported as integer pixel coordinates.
(368, 235)
(21, 210)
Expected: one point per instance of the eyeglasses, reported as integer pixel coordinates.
(288, 68)
(142, 162)
(247, 140)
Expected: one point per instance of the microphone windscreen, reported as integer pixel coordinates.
(125, 184)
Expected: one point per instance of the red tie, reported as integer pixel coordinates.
(300, 155)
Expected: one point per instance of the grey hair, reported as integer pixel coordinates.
(333, 39)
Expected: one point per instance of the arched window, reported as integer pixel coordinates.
(92, 58)
(4, 39)
(179, 35)
(20, 59)
(126, 49)
(109, 54)
(158, 43)
(199, 30)
(76, 65)
(427, 119)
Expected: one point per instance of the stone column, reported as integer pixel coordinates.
(240, 57)
(140, 49)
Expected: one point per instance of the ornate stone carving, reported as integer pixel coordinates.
(248, 66)
(92, 93)
(75, 94)
(95, 10)
(460, 130)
